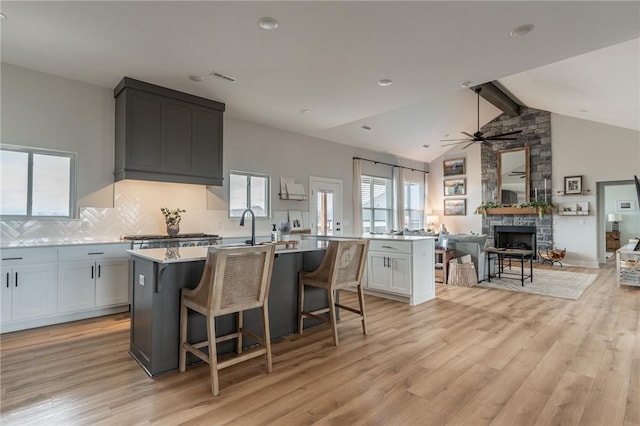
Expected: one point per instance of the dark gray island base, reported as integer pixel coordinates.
(155, 307)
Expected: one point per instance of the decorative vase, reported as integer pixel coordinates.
(173, 230)
(286, 237)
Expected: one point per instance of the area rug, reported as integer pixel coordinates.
(554, 283)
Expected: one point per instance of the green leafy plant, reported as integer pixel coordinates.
(540, 207)
(172, 217)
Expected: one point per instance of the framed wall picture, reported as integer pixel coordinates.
(455, 207)
(573, 184)
(455, 186)
(295, 218)
(625, 205)
(453, 167)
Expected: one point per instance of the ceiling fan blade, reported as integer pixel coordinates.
(515, 132)
(468, 134)
(456, 140)
(457, 143)
(467, 146)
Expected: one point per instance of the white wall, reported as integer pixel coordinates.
(457, 224)
(46, 111)
(599, 153)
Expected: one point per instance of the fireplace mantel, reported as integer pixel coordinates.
(514, 210)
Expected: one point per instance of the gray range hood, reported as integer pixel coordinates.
(167, 136)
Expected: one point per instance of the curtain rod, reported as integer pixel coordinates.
(389, 164)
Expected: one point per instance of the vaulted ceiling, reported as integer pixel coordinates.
(582, 60)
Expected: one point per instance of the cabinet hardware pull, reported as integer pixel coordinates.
(11, 258)
(96, 252)
(389, 247)
(16, 279)
(7, 280)
(91, 272)
(99, 271)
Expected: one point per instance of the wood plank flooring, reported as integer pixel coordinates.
(473, 356)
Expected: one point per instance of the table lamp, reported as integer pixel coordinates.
(615, 218)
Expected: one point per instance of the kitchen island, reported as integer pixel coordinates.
(158, 275)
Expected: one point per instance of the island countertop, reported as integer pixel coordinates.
(193, 254)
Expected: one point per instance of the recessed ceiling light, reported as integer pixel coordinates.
(466, 84)
(3, 17)
(446, 135)
(305, 111)
(521, 30)
(196, 78)
(268, 23)
(385, 82)
(583, 110)
(365, 127)
(426, 146)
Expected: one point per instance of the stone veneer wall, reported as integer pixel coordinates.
(536, 126)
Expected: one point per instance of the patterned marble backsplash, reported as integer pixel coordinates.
(137, 211)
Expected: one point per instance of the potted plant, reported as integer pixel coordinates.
(172, 218)
(285, 231)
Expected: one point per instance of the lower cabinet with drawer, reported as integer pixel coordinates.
(49, 285)
(93, 276)
(401, 270)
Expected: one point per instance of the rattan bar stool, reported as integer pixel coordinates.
(234, 280)
(342, 267)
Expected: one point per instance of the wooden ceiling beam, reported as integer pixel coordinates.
(494, 93)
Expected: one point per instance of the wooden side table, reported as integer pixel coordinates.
(442, 264)
(613, 240)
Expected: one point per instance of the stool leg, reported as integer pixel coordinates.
(267, 335)
(213, 355)
(183, 336)
(364, 316)
(332, 316)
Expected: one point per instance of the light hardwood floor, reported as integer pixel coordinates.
(471, 357)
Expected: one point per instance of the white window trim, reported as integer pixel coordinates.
(249, 175)
(72, 182)
(390, 210)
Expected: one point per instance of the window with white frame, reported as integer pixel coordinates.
(36, 183)
(248, 190)
(413, 205)
(377, 206)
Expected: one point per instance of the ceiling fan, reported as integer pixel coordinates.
(479, 136)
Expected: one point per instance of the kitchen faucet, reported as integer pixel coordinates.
(253, 226)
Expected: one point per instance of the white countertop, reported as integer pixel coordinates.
(60, 242)
(193, 254)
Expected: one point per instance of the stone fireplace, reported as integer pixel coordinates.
(536, 127)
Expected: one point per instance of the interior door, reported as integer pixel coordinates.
(325, 206)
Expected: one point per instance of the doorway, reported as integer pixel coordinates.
(325, 205)
(617, 198)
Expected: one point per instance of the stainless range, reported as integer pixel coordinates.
(166, 241)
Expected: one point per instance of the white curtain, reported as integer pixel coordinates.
(357, 200)
(398, 195)
(425, 202)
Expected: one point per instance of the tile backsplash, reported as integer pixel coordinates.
(136, 211)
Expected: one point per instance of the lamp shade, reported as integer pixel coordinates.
(615, 217)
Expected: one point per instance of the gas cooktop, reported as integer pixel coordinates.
(167, 237)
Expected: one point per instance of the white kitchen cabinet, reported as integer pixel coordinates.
(92, 276)
(390, 272)
(29, 286)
